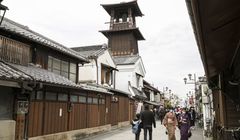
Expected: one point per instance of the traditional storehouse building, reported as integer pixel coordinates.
(101, 73)
(152, 93)
(216, 28)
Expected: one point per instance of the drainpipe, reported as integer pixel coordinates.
(96, 62)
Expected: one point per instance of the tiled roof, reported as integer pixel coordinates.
(44, 76)
(94, 87)
(108, 88)
(27, 33)
(152, 103)
(138, 93)
(88, 51)
(9, 73)
(125, 60)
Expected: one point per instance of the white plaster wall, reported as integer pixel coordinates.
(7, 129)
(106, 59)
(122, 78)
(157, 98)
(88, 72)
(128, 73)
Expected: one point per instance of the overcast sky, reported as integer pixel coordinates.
(169, 52)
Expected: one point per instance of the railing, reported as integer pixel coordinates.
(122, 26)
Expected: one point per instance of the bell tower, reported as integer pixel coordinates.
(123, 34)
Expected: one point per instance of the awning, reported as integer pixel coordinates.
(137, 93)
(152, 103)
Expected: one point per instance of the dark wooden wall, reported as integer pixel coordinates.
(114, 113)
(45, 117)
(123, 109)
(35, 125)
(123, 44)
(53, 123)
(78, 116)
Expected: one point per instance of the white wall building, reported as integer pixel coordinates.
(130, 74)
(101, 70)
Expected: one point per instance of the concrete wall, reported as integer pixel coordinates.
(7, 129)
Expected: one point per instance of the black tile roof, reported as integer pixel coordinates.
(131, 4)
(24, 31)
(138, 93)
(45, 76)
(90, 51)
(126, 60)
(9, 73)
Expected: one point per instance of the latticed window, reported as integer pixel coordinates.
(14, 52)
(64, 68)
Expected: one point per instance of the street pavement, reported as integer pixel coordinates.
(158, 134)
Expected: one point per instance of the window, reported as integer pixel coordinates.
(51, 96)
(14, 52)
(73, 71)
(95, 100)
(103, 101)
(62, 97)
(56, 66)
(90, 100)
(137, 80)
(39, 95)
(82, 99)
(74, 98)
(106, 75)
(64, 68)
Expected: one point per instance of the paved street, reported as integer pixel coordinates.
(126, 134)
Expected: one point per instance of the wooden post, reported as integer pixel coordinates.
(20, 126)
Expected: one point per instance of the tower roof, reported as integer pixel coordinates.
(123, 5)
(136, 32)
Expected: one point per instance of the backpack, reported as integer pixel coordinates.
(135, 127)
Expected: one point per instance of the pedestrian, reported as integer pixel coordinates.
(192, 115)
(170, 122)
(161, 114)
(148, 120)
(184, 123)
(136, 126)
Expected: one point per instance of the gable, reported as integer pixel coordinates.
(106, 58)
(139, 68)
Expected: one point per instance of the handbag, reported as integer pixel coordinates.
(166, 132)
(189, 134)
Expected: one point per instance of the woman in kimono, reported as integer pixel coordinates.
(170, 122)
(184, 121)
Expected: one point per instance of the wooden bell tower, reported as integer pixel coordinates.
(123, 35)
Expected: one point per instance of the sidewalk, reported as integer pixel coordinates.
(158, 134)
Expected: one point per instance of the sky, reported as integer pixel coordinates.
(169, 52)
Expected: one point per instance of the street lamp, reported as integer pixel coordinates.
(192, 81)
(2, 11)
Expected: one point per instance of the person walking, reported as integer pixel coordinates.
(184, 123)
(148, 120)
(136, 126)
(161, 114)
(170, 122)
(192, 115)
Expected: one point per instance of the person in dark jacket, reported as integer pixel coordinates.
(134, 122)
(148, 120)
(192, 116)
